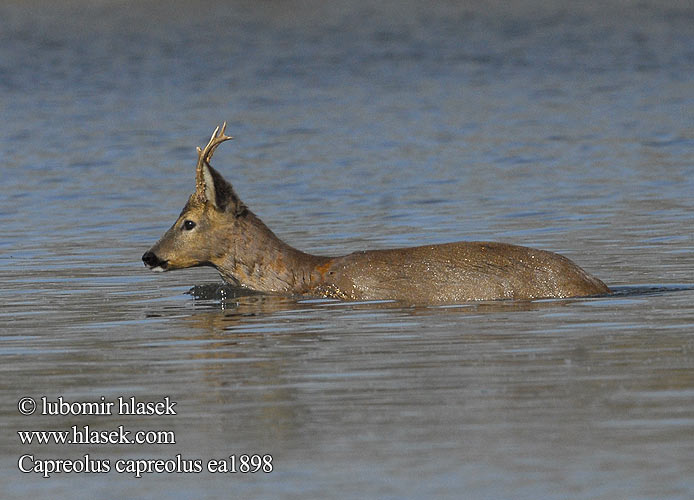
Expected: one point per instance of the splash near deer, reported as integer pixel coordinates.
(215, 228)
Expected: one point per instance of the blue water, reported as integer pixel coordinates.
(559, 126)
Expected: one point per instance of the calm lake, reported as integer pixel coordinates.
(566, 126)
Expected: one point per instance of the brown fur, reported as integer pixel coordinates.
(247, 253)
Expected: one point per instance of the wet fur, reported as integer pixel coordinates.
(231, 238)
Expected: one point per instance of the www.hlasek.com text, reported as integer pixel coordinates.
(87, 435)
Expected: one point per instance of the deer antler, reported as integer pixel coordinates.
(205, 155)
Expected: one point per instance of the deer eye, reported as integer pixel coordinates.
(188, 225)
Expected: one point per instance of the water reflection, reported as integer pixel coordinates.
(221, 307)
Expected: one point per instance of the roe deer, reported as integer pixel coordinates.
(216, 229)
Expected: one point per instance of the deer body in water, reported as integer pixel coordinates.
(216, 229)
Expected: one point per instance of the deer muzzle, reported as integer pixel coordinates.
(153, 262)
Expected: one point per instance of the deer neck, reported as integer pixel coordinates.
(261, 261)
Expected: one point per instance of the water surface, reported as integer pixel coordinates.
(563, 127)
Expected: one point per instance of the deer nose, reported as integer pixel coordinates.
(150, 259)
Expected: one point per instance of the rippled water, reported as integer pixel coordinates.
(357, 126)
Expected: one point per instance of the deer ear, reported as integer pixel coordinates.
(208, 186)
(219, 193)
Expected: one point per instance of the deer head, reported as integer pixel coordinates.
(201, 235)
